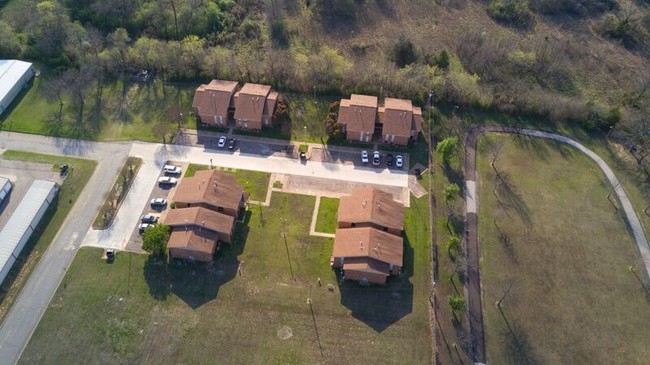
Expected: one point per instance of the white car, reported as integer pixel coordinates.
(222, 142)
(166, 180)
(158, 202)
(376, 158)
(364, 156)
(173, 170)
(399, 161)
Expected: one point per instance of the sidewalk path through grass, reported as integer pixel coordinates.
(471, 224)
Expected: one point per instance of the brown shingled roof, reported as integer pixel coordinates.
(200, 241)
(368, 242)
(398, 117)
(200, 217)
(212, 187)
(359, 113)
(373, 206)
(214, 99)
(417, 119)
(250, 102)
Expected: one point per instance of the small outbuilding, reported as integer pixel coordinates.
(23, 222)
(5, 188)
(15, 76)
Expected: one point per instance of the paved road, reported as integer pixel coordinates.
(471, 210)
(39, 289)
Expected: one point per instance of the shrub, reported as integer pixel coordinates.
(404, 52)
(456, 302)
(511, 12)
(279, 32)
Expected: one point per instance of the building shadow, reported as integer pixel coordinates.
(197, 283)
(377, 306)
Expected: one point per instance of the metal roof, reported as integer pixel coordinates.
(10, 73)
(22, 217)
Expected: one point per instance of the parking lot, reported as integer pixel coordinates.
(22, 174)
(164, 191)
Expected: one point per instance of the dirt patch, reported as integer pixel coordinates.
(285, 333)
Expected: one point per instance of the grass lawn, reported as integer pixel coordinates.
(78, 175)
(129, 111)
(308, 117)
(254, 182)
(327, 210)
(561, 252)
(198, 313)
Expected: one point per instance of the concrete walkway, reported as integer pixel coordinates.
(471, 224)
(314, 218)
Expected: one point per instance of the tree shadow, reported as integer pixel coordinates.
(455, 176)
(517, 345)
(536, 145)
(379, 307)
(508, 247)
(505, 189)
(197, 283)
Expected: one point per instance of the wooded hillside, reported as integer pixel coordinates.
(578, 61)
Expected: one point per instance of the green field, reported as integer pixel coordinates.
(558, 254)
(78, 175)
(128, 111)
(259, 315)
(327, 211)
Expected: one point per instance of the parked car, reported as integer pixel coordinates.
(166, 180)
(172, 170)
(158, 202)
(376, 158)
(364, 156)
(144, 226)
(148, 218)
(232, 143)
(399, 161)
(389, 159)
(222, 142)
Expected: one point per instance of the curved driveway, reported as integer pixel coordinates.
(471, 210)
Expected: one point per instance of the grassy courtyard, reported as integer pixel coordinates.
(327, 210)
(556, 253)
(78, 175)
(256, 314)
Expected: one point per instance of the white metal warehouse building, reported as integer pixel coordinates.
(14, 77)
(23, 221)
(5, 188)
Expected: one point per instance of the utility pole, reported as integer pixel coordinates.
(286, 245)
(313, 317)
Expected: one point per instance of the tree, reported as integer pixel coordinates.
(404, 52)
(10, 47)
(456, 303)
(447, 148)
(450, 191)
(453, 246)
(154, 240)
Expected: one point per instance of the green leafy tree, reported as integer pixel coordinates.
(456, 303)
(450, 191)
(154, 239)
(447, 148)
(453, 246)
